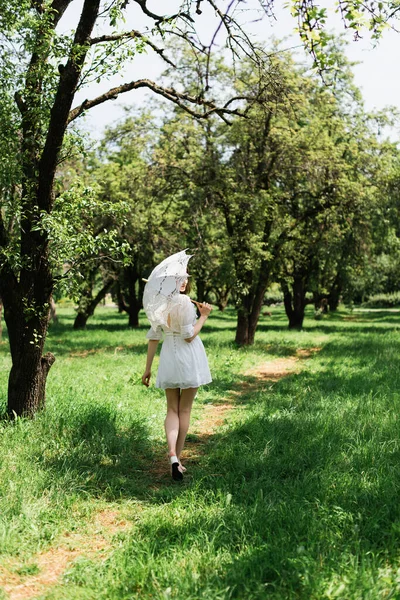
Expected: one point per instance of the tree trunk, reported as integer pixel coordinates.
(316, 300)
(222, 298)
(81, 320)
(53, 311)
(295, 302)
(334, 297)
(242, 328)
(27, 326)
(134, 317)
(88, 306)
(135, 300)
(27, 297)
(258, 300)
(27, 381)
(250, 309)
(200, 289)
(132, 308)
(320, 302)
(120, 298)
(247, 321)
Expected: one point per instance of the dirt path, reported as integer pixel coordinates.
(97, 542)
(214, 415)
(53, 563)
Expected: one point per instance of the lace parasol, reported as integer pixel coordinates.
(161, 291)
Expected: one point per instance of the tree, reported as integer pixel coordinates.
(187, 159)
(44, 69)
(299, 177)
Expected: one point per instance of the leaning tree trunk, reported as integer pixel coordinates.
(88, 305)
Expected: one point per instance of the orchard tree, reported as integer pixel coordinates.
(187, 158)
(122, 177)
(42, 71)
(84, 229)
(300, 172)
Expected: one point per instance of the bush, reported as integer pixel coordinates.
(382, 301)
(273, 297)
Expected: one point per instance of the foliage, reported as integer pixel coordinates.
(382, 301)
(43, 70)
(80, 236)
(294, 190)
(357, 17)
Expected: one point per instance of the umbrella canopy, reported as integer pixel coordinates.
(161, 291)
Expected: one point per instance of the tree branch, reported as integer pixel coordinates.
(37, 5)
(159, 18)
(59, 7)
(20, 103)
(132, 35)
(171, 94)
(63, 100)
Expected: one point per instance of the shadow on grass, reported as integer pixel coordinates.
(303, 491)
(96, 455)
(63, 340)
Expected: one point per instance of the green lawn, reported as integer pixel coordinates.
(296, 496)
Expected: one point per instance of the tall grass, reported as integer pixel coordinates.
(296, 496)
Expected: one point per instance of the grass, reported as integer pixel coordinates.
(296, 496)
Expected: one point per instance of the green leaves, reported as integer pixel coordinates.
(357, 16)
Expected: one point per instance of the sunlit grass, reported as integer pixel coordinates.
(295, 497)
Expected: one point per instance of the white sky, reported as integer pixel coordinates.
(377, 75)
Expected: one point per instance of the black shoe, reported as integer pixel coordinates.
(176, 474)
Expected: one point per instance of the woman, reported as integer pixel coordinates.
(183, 367)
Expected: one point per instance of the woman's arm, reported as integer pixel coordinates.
(151, 350)
(204, 310)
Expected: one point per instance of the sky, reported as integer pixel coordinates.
(376, 74)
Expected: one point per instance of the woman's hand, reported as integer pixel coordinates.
(146, 377)
(205, 309)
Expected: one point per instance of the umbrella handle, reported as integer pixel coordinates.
(198, 304)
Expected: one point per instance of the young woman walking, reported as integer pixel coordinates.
(183, 367)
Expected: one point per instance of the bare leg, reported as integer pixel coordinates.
(171, 422)
(185, 408)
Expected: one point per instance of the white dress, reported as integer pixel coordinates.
(182, 364)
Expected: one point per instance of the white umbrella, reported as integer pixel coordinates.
(162, 289)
